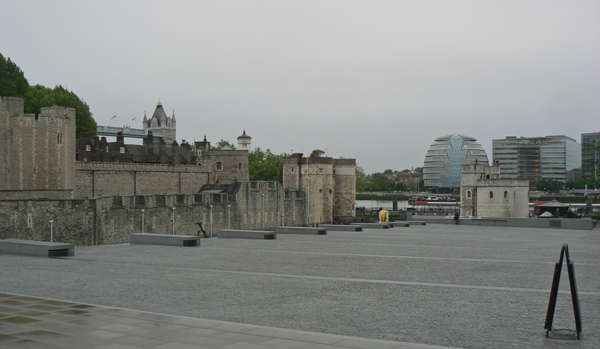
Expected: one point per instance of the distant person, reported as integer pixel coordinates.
(456, 218)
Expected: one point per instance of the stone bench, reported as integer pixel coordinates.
(339, 227)
(36, 248)
(246, 234)
(300, 230)
(400, 224)
(418, 222)
(164, 239)
(372, 225)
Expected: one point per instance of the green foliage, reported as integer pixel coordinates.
(595, 217)
(317, 153)
(265, 166)
(388, 172)
(12, 79)
(548, 184)
(419, 169)
(362, 183)
(382, 182)
(577, 184)
(222, 143)
(39, 96)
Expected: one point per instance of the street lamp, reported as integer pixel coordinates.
(143, 220)
(173, 219)
(51, 221)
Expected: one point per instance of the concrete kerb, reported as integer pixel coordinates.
(164, 239)
(300, 230)
(36, 248)
(246, 234)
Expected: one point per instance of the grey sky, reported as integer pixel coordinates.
(374, 80)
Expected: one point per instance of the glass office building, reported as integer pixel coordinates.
(441, 168)
(589, 155)
(532, 158)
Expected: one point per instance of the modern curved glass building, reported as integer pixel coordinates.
(443, 159)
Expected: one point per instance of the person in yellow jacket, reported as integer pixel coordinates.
(384, 216)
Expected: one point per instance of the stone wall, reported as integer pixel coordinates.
(110, 219)
(36, 150)
(112, 178)
(329, 184)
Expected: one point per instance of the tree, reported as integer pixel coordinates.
(13, 83)
(401, 186)
(265, 166)
(382, 182)
(39, 96)
(388, 172)
(317, 153)
(221, 144)
(12, 79)
(362, 183)
(419, 169)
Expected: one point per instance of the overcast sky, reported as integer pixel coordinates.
(373, 80)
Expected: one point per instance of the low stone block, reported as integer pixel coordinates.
(399, 224)
(372, 225)
(300, 230)
(339, 227)
(246, 234)
(418, 222)
(164, 239)
(36, 248)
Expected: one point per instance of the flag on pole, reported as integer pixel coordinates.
(134, 118)
(113, 117)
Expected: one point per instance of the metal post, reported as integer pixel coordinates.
(143, 220)
(173, 219)
(282, 217)
(228, 216)
(211, 221)
(263, 211)
(51, 221)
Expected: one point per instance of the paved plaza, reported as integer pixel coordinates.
(442, 285)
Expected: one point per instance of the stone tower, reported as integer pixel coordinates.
(244, 142)
(162, 123)
(36, 150)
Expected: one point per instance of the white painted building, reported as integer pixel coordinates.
(484, 194)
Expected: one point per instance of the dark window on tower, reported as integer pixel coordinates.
(219, 165)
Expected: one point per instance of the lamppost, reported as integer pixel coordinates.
(211, 220)
(143, 220)
(51, 221)
(263, 211)
(228, 216)
(173, 219)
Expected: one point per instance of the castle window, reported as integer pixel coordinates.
(468, 193)
(107, 148)
(59, 139)
(320, 190)
(329, 191)
(84, 159)
(293, 169)
(506, 195)
(321, 171)
(88, 147)
(491, 194)
(240, 166)
(219, 165)
(122, 149)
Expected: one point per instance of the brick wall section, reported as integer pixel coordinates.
(110, 219)
(329, 186)
(97, 179)
(345, 188)
(37, 150)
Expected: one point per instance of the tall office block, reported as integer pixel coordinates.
(533, 158)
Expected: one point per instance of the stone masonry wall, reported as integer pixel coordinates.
(110, 219)
(97, 179)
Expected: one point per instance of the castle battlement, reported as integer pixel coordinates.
(120, 166)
